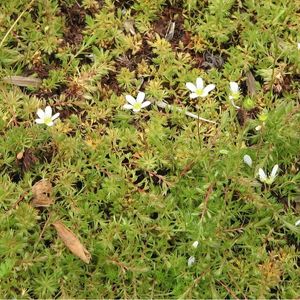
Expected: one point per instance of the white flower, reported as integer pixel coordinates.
(297, 223)
(195, 244)
(191, 261)
(136, 104)
(199, 90)
(45, 117)
(258, 128)
(234, 91)
(248, 160)
(264, 178)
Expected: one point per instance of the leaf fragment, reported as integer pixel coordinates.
(129, 27)
(42, 194)
(72, 242)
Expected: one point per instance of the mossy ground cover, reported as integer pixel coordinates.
(139, 189)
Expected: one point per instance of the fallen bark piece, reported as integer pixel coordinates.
(23, 81)
(72, 242)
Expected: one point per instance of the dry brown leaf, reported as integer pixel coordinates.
(72, 242)
(26, 159)
(250, 81)
(42, 201)
(42, 194)
(23, 81)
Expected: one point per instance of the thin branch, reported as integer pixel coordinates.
(206, 199)
(162, 104)
(15, 23)
(233, 295)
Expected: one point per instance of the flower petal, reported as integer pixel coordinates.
(40, 113)
(136, 109)
(194, 95)
(127, 106)
(55, 116)
(140, 97)
(234, 87)
(48, 112)
(191, 86)
(145, 104)
(39, 121)
(204, 94)
(262, 175)
(130, 99)
(248, 160)
(199, 83)
(274, 172)
(208, 88)
(297, 223)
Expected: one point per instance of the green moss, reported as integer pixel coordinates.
(139, 188)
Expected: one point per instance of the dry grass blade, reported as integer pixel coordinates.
(42, 194)
(23, 81)
(72, 242)
(170, 31)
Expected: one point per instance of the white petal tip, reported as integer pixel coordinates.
(234, 87)
(248, 160)
(262, 175)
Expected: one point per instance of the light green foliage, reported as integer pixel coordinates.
(139, 189)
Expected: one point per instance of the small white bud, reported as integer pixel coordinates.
(191, 261)
(297, 223)
(248, 160)
(258, 128)
(195, 244)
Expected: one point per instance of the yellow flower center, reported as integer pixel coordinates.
(199, 92)
(137, 106)
(47, 120)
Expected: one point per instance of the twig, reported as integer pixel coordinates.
(207, 196)
(229, 290)
(41, 234)
(194, 283)
(186, 169)
(21, 198)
